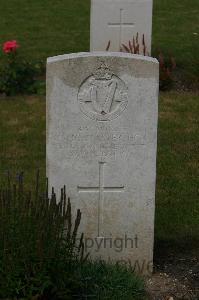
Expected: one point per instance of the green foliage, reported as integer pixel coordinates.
(108, 281)
(42, 254)
(22, 137)
(176, 31)
(18, 76)
(38, 245)
(177, 205)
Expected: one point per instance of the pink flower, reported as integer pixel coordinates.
(10, 46)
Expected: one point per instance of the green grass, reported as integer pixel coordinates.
(177, 205)
(176, 31)
(108, 281)
(22, 136)
(47, 28)
(22, 130)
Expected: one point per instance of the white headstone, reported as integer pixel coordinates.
(118, 21)
(102, 111)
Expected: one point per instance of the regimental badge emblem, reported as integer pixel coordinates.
(103, 96)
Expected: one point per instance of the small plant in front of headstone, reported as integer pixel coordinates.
(135, 46)
(101, 280)
(39, 248)
(17, 75)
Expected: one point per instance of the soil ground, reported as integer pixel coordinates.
(176, 277)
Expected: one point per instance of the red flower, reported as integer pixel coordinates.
(10, 46)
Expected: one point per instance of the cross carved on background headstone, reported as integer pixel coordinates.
(121, 24)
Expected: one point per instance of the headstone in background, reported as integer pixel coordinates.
(118, 21)
(102, 111)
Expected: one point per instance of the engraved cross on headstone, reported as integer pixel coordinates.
(121, 24)
(101, 190)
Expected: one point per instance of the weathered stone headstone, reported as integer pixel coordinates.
(102, 111)
(118, 21)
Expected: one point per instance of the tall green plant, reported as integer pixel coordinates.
(38, 247)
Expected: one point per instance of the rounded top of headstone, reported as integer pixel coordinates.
(63, 57)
